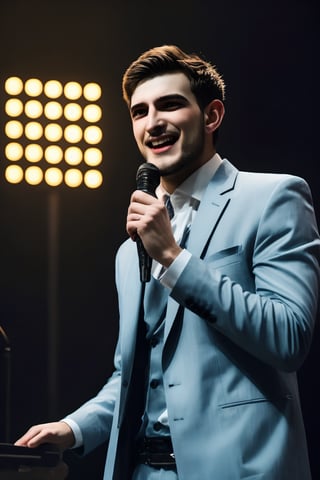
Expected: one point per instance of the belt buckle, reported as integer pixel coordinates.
(160, 460)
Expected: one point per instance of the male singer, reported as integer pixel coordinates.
(228, 315)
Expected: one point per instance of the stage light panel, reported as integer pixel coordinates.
(53, 123)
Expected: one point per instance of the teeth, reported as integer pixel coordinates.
(161, 141)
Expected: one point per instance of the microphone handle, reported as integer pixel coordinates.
(148, 178)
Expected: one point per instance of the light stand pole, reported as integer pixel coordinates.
(53, 302)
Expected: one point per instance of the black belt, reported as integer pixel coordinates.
(156, 452)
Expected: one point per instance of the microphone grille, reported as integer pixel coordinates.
(148, 178)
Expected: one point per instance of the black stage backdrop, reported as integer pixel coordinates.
(267, 52)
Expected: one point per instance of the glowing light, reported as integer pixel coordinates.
(53, 132)
(53, 154)
(33, 87)
(53, 89)
(93, 178)
(92, 113)
(73, 133)
(93, 135)
(93, 156)
(13, 85)
(14, 129)
(33, 130)
(14, 107)
(72, 112)
(33, 175)
(33, 109)
(73, 90)
(33, 152)
(73, 155)
(14, 174)
(73, 177)
(13, 151)
(92, 91)
(53, 176)
(53, 110)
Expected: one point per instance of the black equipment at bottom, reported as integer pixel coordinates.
(13, 456)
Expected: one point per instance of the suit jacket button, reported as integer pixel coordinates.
(157, 426)
(154, 383)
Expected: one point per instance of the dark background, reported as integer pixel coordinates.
(267, 52)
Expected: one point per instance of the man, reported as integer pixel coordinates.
(229, 311)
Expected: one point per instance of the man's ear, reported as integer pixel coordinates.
(213, 114)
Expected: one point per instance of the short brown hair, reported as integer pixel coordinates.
(206, 83)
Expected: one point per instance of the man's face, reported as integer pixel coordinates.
(168, 125)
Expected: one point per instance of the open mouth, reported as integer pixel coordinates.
(161, 142)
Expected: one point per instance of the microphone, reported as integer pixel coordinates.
(147, 178)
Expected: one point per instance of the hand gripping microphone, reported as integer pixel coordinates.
(147, 178)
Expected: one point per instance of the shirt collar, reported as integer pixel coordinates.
(194, 186)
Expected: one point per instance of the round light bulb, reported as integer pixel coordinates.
(72, 112)
(53, 110)
(73, 177)
(33, 87)
(13, 85)
(92, 91)
(33, 152)
(33, 109)
(53, 89)
(14, 151)
(93, 156)
(53, 132)
(93, 179)
(73, 133)
(33, 130)
(33, 175)
(73, 155)
(53, 154)
(72, 90)
(14, 129)
(13, 107)
(92, 113)
(14, 174)
(93, 135)
(53, 176)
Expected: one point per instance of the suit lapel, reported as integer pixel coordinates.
(212, 207)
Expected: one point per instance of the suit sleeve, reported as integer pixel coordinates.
(94, 418)
(273, 320)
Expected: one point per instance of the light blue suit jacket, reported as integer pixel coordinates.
(249, 298)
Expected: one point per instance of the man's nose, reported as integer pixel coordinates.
(155, 123)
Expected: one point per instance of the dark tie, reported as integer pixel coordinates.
(169, 206)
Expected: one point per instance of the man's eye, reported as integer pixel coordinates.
(171, 105)
(139, 112)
